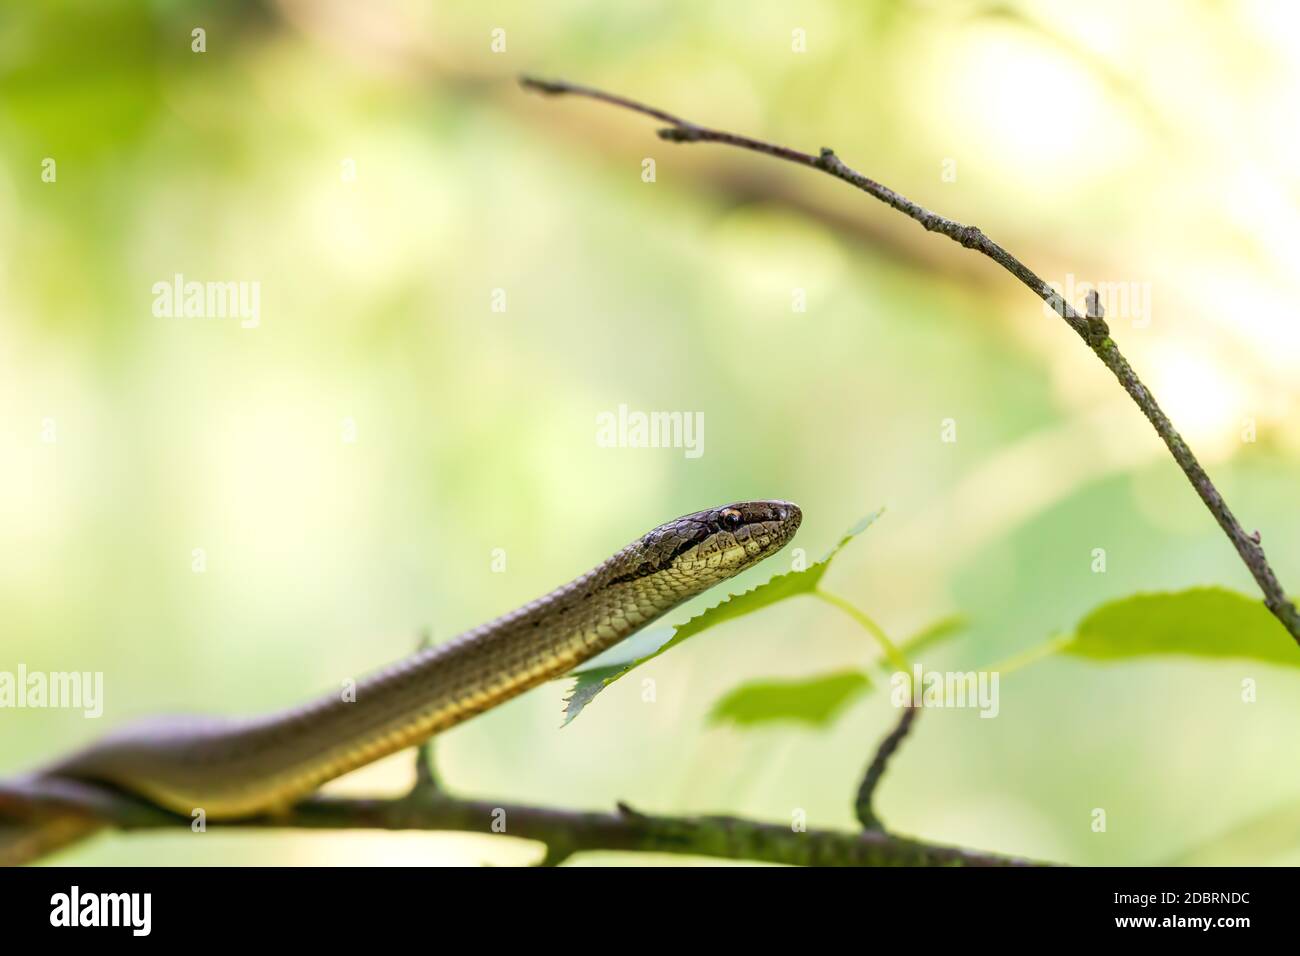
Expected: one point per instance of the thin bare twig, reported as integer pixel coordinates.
(426, 772)
(1092, 329)
(864, 805)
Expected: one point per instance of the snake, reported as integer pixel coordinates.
(238, 767)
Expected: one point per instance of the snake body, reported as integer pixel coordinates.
(233, 768)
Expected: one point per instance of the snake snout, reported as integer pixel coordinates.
(770, 522)
(787, 512)
(784, 516)
(724, 540)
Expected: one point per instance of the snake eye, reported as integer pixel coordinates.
(731, 520)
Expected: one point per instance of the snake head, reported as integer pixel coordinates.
(721, 542)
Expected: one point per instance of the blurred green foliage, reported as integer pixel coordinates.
(473, 430)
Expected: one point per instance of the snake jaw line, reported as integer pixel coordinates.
(243, 767)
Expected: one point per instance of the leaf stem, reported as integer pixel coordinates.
(896, 657)
(1032, 655)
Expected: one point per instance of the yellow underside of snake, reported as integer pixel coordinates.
(233, 768)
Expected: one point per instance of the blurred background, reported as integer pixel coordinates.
(231, 519)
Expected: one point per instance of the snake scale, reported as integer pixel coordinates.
(238, 767)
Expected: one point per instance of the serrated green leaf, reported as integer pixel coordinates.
(586, 686)
(592, 680)
(815, 701)
(1201, 622)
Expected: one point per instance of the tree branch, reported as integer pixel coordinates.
(864, 806)
(1092, 329)
(565, 832)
